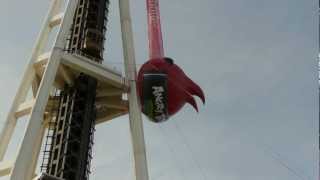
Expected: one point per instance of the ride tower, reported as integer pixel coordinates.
(72, 92)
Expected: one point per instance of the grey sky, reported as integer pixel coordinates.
(256, 61)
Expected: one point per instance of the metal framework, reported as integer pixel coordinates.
(68, 150)
(48, 70)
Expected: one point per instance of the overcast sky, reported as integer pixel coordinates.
(255, 60)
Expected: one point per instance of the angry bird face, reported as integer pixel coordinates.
(180, 87)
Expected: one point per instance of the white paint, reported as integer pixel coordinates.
(136, 124)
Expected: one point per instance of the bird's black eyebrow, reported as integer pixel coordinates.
(169, 60)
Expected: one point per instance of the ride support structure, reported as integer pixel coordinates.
(71, 93)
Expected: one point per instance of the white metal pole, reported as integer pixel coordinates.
(36, 152)
(28, 77)
(22, 169)
(136, 124)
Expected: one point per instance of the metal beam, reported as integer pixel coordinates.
(22, 169)
(5, 168)
(25, 108)
(56, 20)
(66, 75)
(37, 147)
(94, 69)
(136, 124)
(35, 86)
(26, 82)
(63, 72)
(42, 60)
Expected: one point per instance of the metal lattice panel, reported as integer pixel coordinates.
(72, 140)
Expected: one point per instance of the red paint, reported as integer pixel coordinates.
(154, 30)
(181, 88)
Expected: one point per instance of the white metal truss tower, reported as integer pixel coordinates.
(49, 70)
